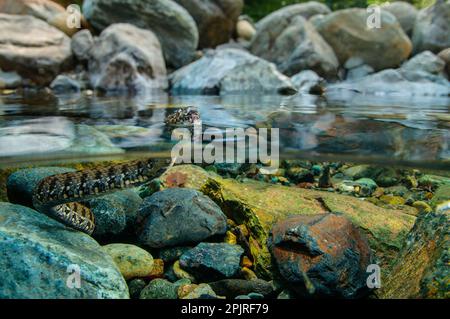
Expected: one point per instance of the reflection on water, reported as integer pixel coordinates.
(347, 125)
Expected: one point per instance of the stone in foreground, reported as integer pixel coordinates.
(321, 255)
(178, 216)
(42, 255)
(212, 261)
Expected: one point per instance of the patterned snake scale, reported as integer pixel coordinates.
(59, 195)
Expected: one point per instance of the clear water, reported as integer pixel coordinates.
(400, 130)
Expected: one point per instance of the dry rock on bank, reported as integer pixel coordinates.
(347, 33)
(432, 28)
(287, 39)
(47, 10)
(127, 58)
(39, 54)
(170, 22)
(229, 71)
(216, 19)
(405, 13)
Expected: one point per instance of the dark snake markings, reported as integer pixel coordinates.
(60, 195)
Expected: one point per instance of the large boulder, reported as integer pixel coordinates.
(42, 257)
(178, 216)
(47, 10)
(421, 268)
(321, 255)
(432, 28)
(405, 13)
(216, 19)
(212, 261)
(229, 71)
(277, 21)
(170, 22)
(39, 54)
(347, 33)
(445, 56)
(425, 61)
(127, 58)
(293, 44)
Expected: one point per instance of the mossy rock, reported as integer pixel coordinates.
(259, 205)
(421, 268)
(441, 195)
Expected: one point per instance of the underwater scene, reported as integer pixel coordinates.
(224, 150)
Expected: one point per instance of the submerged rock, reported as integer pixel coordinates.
(39, 54)
(347, 33)
(232, 288)
(178, 216)
(20, 184)
(215, 19)
(131, 260)
(286, 38)
(421, 268)
(212, 261)
(170, 22)
(432, 28)
(321, 255)
(229, 71)
(41, 254)
(159, 289)
(127, 58)
(115, 213)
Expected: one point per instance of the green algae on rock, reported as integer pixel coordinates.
(259, 205)
(421, 268)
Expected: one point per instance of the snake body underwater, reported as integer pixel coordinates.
(62, 195)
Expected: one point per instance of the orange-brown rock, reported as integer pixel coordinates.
(321, 255)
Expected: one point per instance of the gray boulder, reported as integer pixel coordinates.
(405, 13)
(65, 84)
(392, 81)
(10, 80)
(445, 56)
(115, 213)
(170, 22)
(308, 82)
(216, 19)
(212, 261)
(177, 216)
(347, 33)
(425, 61)
(38, 54)
(293, 44)
(432, 28)
(81, 44)
(229, 71)
(41, 254)
(127, 58)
